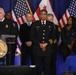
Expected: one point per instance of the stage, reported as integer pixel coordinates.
(18, 70)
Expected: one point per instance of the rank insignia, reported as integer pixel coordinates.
(6, 26)
(55, 41)
(51, 41)
(37, 26)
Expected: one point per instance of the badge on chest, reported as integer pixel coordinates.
(6, 26)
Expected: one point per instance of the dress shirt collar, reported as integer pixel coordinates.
(43, 21)
(29, 23)
(2, 20)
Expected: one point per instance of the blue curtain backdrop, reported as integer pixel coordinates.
(59, 7)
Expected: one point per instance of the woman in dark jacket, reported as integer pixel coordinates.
(68, 33)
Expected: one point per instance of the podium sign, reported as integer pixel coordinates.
(6, 43)
(3, 48)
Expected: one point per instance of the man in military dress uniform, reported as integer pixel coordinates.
(7, 28)
(42, 34)
(50, 17)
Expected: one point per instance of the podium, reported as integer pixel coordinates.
(18, 70)
(9, 40)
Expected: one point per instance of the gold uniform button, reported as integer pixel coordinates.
(43, 30)
(43, 34)
(43, 37)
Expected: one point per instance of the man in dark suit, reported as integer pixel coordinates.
(24, 34)
(7, 28)
(50, 17)
(42, 34)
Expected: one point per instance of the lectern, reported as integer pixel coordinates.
(9, 40)
(18, 70)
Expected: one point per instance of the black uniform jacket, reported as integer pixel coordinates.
(6, 27)
(67, 37)
(42, 34)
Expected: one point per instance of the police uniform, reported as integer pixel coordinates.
(42, 33)
(67, 37)
(56, 39)
(7, 28)
(55, 49)
(24, 35)
(14, 46)
(15, 25)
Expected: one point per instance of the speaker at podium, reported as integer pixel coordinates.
(18, 70)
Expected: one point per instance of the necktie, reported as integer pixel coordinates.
(43, 22)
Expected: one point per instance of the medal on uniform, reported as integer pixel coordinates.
(49, 26)
(37, 26)
(6, 26)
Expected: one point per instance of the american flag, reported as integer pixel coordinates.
(19, 12)
(71, 11)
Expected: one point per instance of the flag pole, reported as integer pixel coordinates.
(28, 6)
